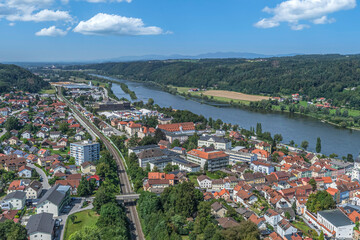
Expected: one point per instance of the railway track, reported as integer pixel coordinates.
(125, 185)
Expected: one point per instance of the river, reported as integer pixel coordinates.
(291, 127)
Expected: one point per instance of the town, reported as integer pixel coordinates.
(206, 179)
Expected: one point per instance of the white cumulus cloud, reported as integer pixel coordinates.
(45, 15)
(294, 11)
(106, 24)
(51, 32)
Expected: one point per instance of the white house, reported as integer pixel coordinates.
(272, 217)
(54, 200)
(40, 226)
(41, 134)
(24, 171)
(204, 182)
(26, 135)
(285, 228)
(258, 166)
(14, 200)
(34, 189)
(55, 135)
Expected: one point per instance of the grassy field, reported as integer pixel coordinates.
(48, 91)
(84, 218)
(224, 96)
(305, 229)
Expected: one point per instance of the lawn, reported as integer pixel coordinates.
(193, 179)
(48, 91)
(305, 229)
(84, 218)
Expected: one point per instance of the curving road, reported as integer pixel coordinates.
(135, 225)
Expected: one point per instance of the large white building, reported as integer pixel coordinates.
(54, 200)
(86, 151)
(218, 143)
(236, 156)
(336, 223)
(213, 160)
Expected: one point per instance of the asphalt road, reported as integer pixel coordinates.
(45, 181)
(136, 231)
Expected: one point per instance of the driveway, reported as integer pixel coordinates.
(45, 181)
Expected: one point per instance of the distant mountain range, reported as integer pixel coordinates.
(200, 56)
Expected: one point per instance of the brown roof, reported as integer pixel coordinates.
(227, 222)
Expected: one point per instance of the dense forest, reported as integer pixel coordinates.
(12, 76)
(312, 75)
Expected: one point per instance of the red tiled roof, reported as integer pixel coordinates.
(207, 155)
(175, 127)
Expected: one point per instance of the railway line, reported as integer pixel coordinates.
(125, 185)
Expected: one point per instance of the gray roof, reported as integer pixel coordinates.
(215, 138)
(43, 223)
(216, 206)
(16, 195)
(53, 195)
(336, 217)
(36, 185)
(150, 153)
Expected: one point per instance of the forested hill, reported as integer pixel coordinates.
(312, 75)
(13, 76)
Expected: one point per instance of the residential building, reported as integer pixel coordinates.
(204, 182)
(236, 156)
(218, 143)
(14, 200)
(40, 226)
(272, 217)
(34, 189)
(54, 200)
(218, 210)
(213, 160)
(24, 171)
(86, 151)
(88, 168)
(263, 167)
(285, 228)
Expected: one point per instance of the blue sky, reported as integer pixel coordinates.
(73, 30)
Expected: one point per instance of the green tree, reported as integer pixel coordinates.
(86, 233)
(321, 200)
(246, 230)
(258, 129)
(12, 231)
(321, 236)
(304, 144)
(318, 145)
(350, 158)
(11, 124)
(175, 143)
(278, 137)
(64, 127)
(312, 182)
(292, 143)
(102, 197)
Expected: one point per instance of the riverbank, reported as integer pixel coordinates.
(266, 106)
(328, 115)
